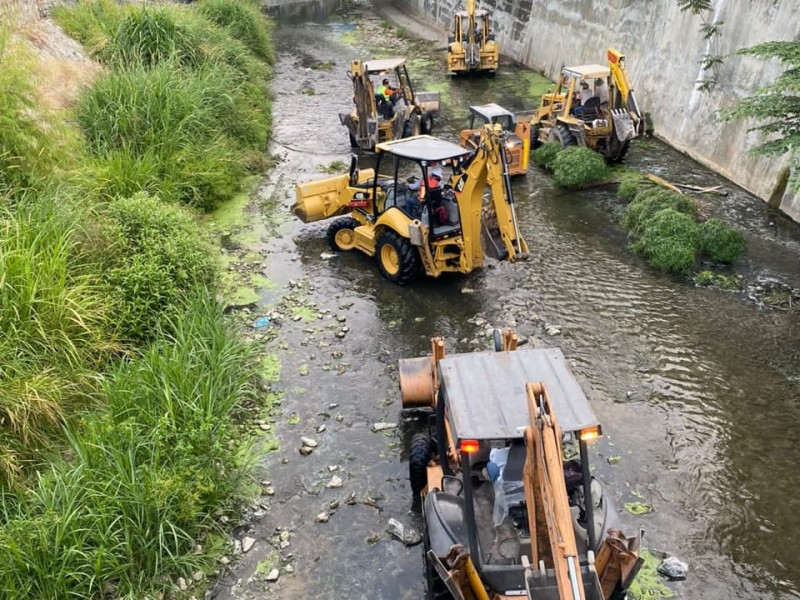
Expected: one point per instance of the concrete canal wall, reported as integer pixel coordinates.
(664, 47)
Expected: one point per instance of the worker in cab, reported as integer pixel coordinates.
(386, 90)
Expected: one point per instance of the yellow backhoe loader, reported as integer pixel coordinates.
(518, 127)
(505, 515)
(385, 113)
(471, 46)
(421, 209)
(606, 120)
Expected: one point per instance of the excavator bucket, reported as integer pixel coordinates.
(318, 200)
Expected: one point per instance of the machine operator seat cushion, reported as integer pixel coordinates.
(445, 515)
(590, 109)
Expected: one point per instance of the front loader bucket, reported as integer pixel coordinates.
(623, 125)
(317, 200)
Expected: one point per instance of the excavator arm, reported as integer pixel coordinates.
(488, 166)
(616, 62)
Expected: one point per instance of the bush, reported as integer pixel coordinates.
(628, 190)
(575, 166)
(720, 242)
(158, 260)
(670, 241)
(147, 476)
(244, 22)
(649, 202)
(91, 22)
(545, 154)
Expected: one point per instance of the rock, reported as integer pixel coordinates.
(284, 545)
(552, 330)
(289, 569)
(333, 468)
(673, 569)
(305, 450)
(225, 560)
(198, 576)
(285, 535)
(182, 584)
(467, 290)
(248, 543)
(269, 490)
(383, 426)
(273, 575)
(327, 256)
(335, 482)
(310, 442)
(480, 322)
(321, 428)
(341, 318)
(264, 426)
(409, 536)
(322, 517)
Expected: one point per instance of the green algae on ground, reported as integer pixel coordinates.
(270, 368)
(648, 584)
(638, 508)
(305, 312)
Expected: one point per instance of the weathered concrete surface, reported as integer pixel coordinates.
(664, 47)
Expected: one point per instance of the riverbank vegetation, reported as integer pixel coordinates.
(122, 382)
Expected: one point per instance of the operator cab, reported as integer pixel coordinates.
(415, 176)
(491, 113)
(483, 395)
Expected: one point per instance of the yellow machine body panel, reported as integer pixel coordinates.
(471, 44)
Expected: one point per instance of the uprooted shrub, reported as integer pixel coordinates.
(720, 242)
(628, 190)
(157, 259)
(545, 154)
(670, 241)
(576, 166)
(648, 202)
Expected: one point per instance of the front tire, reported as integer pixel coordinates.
(412, 127)
(341, 234)
(562, 134)
(419, 455)
(398, 260)
(426, 123)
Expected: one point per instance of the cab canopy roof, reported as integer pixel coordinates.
(478, 13)
(423, 147)
(486, 399)
(587, 71)
(489, 111)
(384, 64)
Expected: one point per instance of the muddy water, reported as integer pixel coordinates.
(698, 389)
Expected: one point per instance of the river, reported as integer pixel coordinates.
(697, 388)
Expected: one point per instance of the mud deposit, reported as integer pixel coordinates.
(697, 388)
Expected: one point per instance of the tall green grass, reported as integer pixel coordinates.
(30, 146)
(146, 476)
(54, 323)
(244, 22)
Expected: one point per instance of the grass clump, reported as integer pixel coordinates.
(92, 23)
(576, 166)
(156, 258)
(244, 22)
(545, 154)
(649, 202)
(147, 475)
(670, 241)
(30, 147)
(720, 242)
(628, 190)
(54, 325)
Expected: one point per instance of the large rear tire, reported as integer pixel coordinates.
(398, 260)
(426, 123)
(413, 126)
(341, 234)
(419, 456)
(562, 134)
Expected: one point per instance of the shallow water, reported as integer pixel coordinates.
(697, 388)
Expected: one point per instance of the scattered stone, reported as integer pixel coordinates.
(305, 450)
(467, 290)
(419, 319)
(284, 545)
(408, 535)
(273, 575)
(225, 560)
(383, 426)
(327, 255)
(332, 406)
(334, 504)
(285, 535)
(480, 322)
(269, 491)
(321, 428)
(373, 539)
(673, 569)
(552, 330)
(296, 318)
(333, 468)
(198, 576)
(335, 482)
(310, 442)
(341, 318)
(336, 356)
(340, 334)
(182, 584)
(247, 544)
(198, 549)
(303, 370)
(340, 418)
(289, 569)
(351, 499)
(264, 426)
(322, 517)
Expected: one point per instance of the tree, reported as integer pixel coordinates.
(777, 106)
(711, 32)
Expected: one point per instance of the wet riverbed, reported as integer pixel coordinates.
(698, 389)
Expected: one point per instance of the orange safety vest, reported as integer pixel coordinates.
(433, 183)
